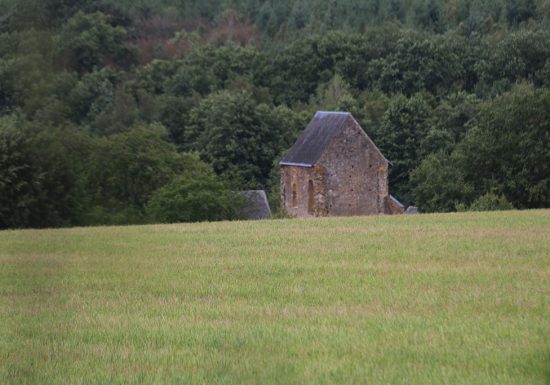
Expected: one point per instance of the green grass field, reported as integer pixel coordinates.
(427, 299)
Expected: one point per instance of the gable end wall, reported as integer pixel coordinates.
(357, 174)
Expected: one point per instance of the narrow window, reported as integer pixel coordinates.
(294, 195)
(381, 177)
(310, 200)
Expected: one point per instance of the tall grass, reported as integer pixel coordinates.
(428, 299)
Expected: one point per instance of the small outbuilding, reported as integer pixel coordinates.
(335, 169)
(256, 205)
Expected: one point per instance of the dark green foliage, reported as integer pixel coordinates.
(504, 153)
(7, 86)
(152, 77)
(428, 14)
(194, 197)
(93, 94)
(126, 168)
(449, 123)
(299, 16)
(507, 151)
(204, 70)
(173, 112)
(40, 175)
(396, 10)
(521, 56)
(239, 137)
(490, 202)
(25, 70)
(518, 11)
(294, 74)
(438, 185)
(18, 180)
(403, 129)
(420, 63)
(44, 13)
(89, 40)
(99, 97)
(59, 156)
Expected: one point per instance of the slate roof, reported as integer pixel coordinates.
(394, 199)
(257, 206)
(315, 138)
(411, 210)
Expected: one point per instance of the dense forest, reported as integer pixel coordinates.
(124, 111)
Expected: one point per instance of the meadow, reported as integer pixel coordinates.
(424, 299)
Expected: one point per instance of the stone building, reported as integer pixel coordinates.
(335, 169)
(256, 205)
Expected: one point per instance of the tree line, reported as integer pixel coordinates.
(132, 112)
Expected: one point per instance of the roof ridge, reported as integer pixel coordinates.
(333, 112)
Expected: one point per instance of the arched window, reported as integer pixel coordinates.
(294, 195)
(310, 198)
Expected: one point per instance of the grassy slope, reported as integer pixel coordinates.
(429, 299)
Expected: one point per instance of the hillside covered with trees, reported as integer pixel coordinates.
(119, 112)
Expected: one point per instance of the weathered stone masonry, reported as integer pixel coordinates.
(334, 168)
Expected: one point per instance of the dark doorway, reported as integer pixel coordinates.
(310, 198)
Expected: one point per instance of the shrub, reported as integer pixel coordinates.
(491, 202)
(192, 198)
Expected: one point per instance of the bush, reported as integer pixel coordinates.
(192, 198)
(490, 202)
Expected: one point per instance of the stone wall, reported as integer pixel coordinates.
(357, 181)
(303, 190)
